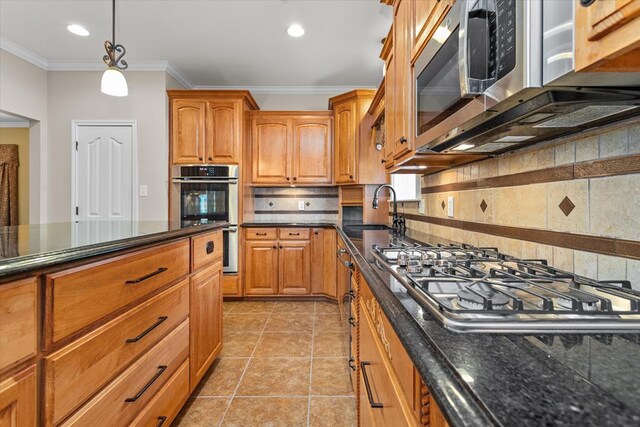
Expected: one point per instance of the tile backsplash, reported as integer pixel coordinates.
(282, 204)
(580, 189)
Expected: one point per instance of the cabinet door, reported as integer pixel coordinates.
(312, 152)
(425, 15)
(223, 132)
(389, 112)
(402, 83)
(346, 148)
(271, 150)
(18, 399)
(205, 321)
(318, 256)
(261, 267)
(607, 35)
(295, 267)
(187, 131)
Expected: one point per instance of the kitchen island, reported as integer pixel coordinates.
(480, 379)
(107, 320)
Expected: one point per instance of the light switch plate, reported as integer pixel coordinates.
(300, 205)
(143, 191)
(450, 206)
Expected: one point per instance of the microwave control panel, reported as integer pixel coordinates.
(506, 36)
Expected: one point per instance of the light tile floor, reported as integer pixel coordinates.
(282, 364)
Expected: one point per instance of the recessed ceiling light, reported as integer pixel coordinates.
(463, 147)
(78, 30)
(295, 30)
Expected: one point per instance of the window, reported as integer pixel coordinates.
(407, 187)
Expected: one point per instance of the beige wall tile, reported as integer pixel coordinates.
(563, 258)
(524, 162)
(587, 149)
(545, 252)
(614, 203)
(466, 201)
(521, 207)
(585, 264)
(634, 139)
(565, 153)
(578, 192)
(486, 216)
(611, 268)
(528, 250)
(614, 143)
(633, 273)
(546, 157)
(504, 165)
(488, 168)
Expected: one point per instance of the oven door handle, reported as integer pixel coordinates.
(205, 181)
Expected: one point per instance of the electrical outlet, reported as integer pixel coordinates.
(300, 205)
(421, 206)
(143, 191)
(450, 206)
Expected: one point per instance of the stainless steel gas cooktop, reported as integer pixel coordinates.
(472, 289)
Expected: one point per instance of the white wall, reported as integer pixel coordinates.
(77, 96)
(280, 101)
(23, 91)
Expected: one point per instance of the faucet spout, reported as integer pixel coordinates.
(398, 223)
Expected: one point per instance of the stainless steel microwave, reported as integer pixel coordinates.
(499, 74)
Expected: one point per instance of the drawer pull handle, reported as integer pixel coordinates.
(210, 247)
(352, 363)
(138, 395)
(372, 402)
(261, 234)
(352, 322)
(149, 329)
(146, 276)
(294, 234)
(161, 420)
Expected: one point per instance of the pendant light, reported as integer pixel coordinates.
(113, 81)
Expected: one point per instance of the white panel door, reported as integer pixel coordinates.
(104, 177)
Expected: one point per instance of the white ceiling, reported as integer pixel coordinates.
(214, 42)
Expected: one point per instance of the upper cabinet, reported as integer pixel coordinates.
(424, 18)
(289, 148)
(356, 160)
(206, 126)
(187, 132)
(607, 35)
(402, 140)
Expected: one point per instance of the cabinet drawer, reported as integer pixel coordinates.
(352, 196)
(262, 234)
(206, 249)
(18, 314)
(294, 233)
(79, 370)
(84, 295)
(125, 397)
(164, 407)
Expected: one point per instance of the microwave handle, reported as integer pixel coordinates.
(463, 55)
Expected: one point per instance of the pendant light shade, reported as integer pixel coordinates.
(114, 83)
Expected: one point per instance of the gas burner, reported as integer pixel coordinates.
(476, 299)
(414, 267)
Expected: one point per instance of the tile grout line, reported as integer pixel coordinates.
(313, 333)
(233, 396)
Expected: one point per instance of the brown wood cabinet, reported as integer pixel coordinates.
(425, 15)
(607, 35)
(346, 142)
(187, 133)
(205, 313)
(18, 399)
(324, 262)
(206, 127)
(291, 148)
(18, 322)
(261, 267)
(401, 140)
(294, 267)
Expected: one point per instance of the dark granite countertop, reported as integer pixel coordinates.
(26, 248)
(490, 379)
(319, 224)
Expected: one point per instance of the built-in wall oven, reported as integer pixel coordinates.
(210, 193)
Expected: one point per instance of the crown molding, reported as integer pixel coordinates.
(181, 77)
(23, 53)
(284, 90)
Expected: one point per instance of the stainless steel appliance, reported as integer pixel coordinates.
(499, 74)
(210, 193)
(473, 289)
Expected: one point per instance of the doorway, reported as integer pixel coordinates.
(104, 169)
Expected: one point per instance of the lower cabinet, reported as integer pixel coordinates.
(205, 310)
(18, 399)
(294, 264)
(261, 267)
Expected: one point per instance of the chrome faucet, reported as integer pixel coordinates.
(399, 223)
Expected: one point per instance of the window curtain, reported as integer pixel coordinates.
(8, 184)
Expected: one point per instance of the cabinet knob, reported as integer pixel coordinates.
(315, 232)
(280, 246)
(294, 178)
(210, 158)
(586, 3)
(200, 158)
(288, 179)
(274, 247)
(383, 161)
(350, 176)
(403, 140)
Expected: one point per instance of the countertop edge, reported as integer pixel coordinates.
(460, 405)
(23, 265)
